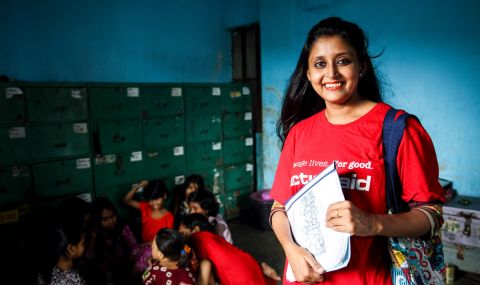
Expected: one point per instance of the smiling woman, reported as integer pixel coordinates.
(333, 111)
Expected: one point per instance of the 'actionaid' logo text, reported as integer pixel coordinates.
(351, 183)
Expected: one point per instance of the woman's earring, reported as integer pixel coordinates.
(361, 74)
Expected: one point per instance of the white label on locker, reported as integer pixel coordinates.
(177, 151)
(179, 179)
(76, 93)
(216, 91)
(249, 167)
(247, 116)
(249, 141)
(235, 94)
(18, 171)
(176, 92)
(17, 133)
(12, 91)
(102, 160)
(87, 197)
(217, 146)
(136, 156)
(80, 128)
(133, 92)
(246, 91)
(83, 163)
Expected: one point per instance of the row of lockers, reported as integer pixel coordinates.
(111, 178)
(22, 103)
(39, 142)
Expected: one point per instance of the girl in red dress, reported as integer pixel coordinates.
(154, 215)
(230, 265)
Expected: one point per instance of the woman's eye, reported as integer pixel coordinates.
(343, 61)
(320, 64)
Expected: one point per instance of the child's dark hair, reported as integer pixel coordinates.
(60, 236)
(171, 244)
(207, 201)
(155, 189)
(194, 178)
(198, 220)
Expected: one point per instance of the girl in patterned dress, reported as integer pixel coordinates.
(170, 261)
(66, 244)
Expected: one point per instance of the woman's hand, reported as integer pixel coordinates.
(304, 266)
(345, 217)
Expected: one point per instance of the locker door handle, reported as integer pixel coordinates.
(60, 145)
(62, 182)
(165, 165)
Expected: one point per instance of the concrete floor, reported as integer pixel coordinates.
(264, 246)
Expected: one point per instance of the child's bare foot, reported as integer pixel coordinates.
(269, 271)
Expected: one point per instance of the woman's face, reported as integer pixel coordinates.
(108, 220)
(156, 204)
(192, 187)
(196, 208)
(186, 232)
(334, 70)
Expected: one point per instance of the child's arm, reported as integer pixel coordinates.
(128, 199)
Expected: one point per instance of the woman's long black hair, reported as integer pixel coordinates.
(301, 101)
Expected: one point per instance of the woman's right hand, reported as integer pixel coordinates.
(304, 266)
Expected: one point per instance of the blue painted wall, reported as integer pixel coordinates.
(121, 40)
(428, 64)
(430, 67)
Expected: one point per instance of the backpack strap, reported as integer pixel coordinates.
(392, 134)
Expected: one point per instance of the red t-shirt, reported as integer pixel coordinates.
(231, 264)
(151, 226)
(315, 143)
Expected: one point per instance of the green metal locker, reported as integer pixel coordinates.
(204, 128)
(213, 178)
(115, 102)
(238, 176)
(62, 140)
(118, 169)
(237, 150)
(204, 155)
(13, 145)
(15, 184)
(164, 132)
(61, 178)
(238, 98)
(203, 100)
(161, 101)
(165, 161)
(120, 136)
(116, 194)
(12, 104)
(237, 124)
(236, 202)
(57, 104)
